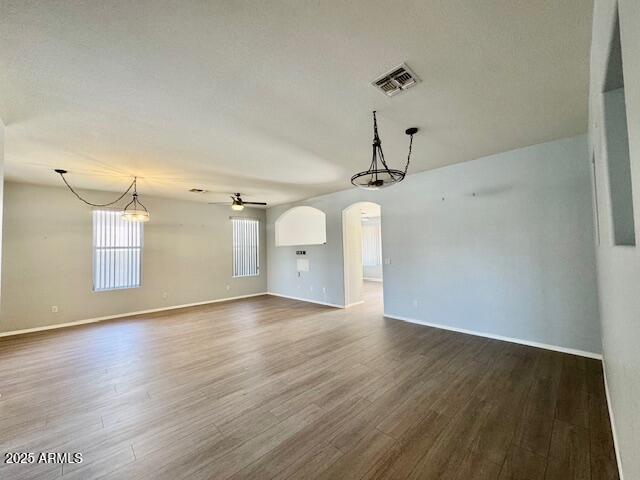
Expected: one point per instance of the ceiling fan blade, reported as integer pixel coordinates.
(254, 203)
(218, 203)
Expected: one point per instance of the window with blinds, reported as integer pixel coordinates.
(117, 251)
(246, 246)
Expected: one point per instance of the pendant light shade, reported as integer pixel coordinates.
(135, 215)
(379, 175)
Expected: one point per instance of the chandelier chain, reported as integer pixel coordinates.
(134, 201)
(133, 184)
(406, 167)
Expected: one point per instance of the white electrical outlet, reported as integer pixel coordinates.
(228, 287)
(415, 303)
(165, 294)
(311, 288)
(54, 309)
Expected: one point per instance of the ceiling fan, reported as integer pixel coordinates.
(237, 203)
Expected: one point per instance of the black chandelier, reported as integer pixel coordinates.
(380, 176)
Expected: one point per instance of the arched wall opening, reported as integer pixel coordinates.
(362, 251)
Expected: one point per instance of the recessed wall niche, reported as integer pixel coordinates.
(617, 148)
(301, 226)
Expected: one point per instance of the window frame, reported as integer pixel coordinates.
(233, 247)
(95, 248)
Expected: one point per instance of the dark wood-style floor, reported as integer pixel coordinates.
(272, 388)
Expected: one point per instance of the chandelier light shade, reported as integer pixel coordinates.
(135, 215)
(134, 211)
(379, 175)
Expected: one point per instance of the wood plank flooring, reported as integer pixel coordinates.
(270, 388)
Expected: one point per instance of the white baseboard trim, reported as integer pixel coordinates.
(122, 315)
(529, 343)
(613, 422)
(354, 304)
(300, 299)
(372, 279)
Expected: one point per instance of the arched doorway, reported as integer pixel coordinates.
(362, 253)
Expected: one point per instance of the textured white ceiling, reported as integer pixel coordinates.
(272, 98)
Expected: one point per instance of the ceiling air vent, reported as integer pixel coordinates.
(395, 81)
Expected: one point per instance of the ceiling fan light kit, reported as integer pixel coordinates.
(237, 203)
(379, 175)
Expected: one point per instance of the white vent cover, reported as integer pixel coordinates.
(395, 81)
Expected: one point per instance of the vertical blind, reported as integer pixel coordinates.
(371, 243)
(117, 251)
(245, 246)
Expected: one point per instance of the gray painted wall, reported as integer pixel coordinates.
(516, 259)
(48, 259)
(619, 266)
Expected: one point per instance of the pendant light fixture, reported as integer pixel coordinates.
(134, 211)
(379, 175)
